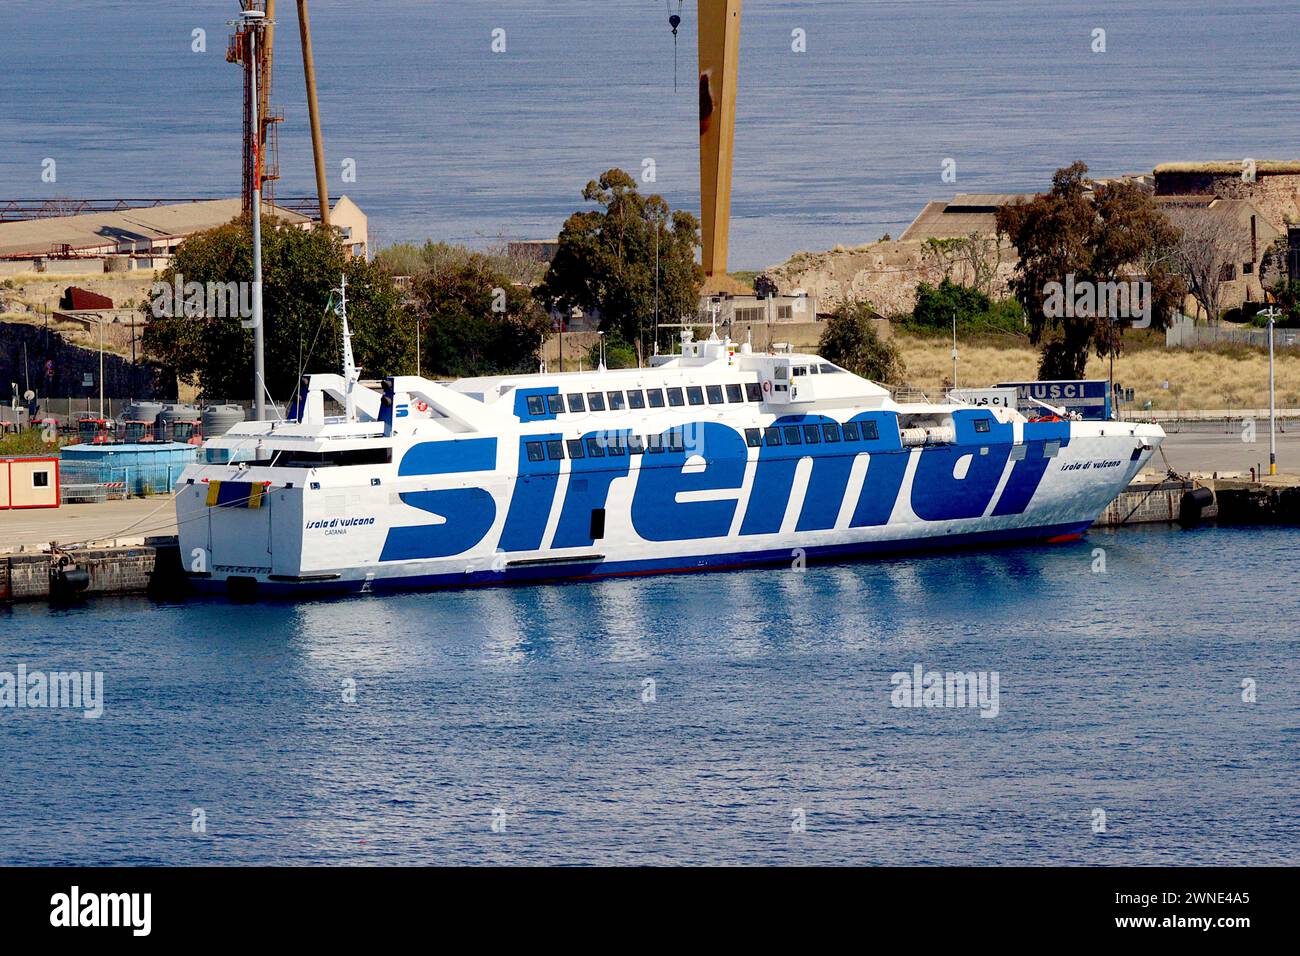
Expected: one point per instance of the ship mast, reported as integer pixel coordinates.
(351, 374)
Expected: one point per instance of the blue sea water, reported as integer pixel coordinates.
(1119, 691)
(835, 145)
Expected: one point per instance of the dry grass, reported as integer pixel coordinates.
(1198, 379)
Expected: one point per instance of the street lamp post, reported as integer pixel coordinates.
(1272, 312)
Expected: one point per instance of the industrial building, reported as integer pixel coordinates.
(145, 237)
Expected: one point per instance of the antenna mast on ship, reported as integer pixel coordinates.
(351, 374)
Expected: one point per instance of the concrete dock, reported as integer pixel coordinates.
(128, 520)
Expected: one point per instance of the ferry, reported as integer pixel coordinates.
(716, 456)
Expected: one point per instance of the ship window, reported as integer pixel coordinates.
(324, 459)
(555, 450)
(575, 448)
(656, 397)
(654, 444)
(593, 447)
(811, 435)
(675, 440)
(615, 401)
(753, 391)
(614, 445)
(715, 394)
(576, 403)
(635, 398)
(869, 431)
(773, 436)
(831, 432)
(981, 424)
(596, 401)
(753, 437)
(792, 435)
(829, 369)
(535, 452)
(675, 397)
(634, 444)
(695, 395)
(850, 431)
(782, 372)
(1051, 448)
(734, 394)
(535, 405)
(555, 404)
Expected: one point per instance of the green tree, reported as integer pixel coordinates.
(618, 353)
(606, 260)
(851, 341)
(299, 270)
(1115, 234)
(936, 306)
(474, 320)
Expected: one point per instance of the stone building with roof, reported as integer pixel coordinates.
(143, 237)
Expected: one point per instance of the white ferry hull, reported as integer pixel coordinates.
(397, 526)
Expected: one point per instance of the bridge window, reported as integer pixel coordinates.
(656, 397)
(773, 437)
(869, 431)
(555, 404)
(715, 394)
(695, 395)
(734, 394)
(981, 424)
(575, 448)
(675, 397)
(535, 406)
(535, 452)
(325, 459)
(753, 391)
(753, 437)
(850, 431)
(596, 401)
(576, 403)
(635, 398)
(616, 403)
(792, 435)
(555, 450)
(829, 369)
(831, 432)
(811, 435)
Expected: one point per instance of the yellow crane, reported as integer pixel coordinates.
(719, 56)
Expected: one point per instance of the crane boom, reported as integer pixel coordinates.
(719, 55)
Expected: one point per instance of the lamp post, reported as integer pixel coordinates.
(1272, 312)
